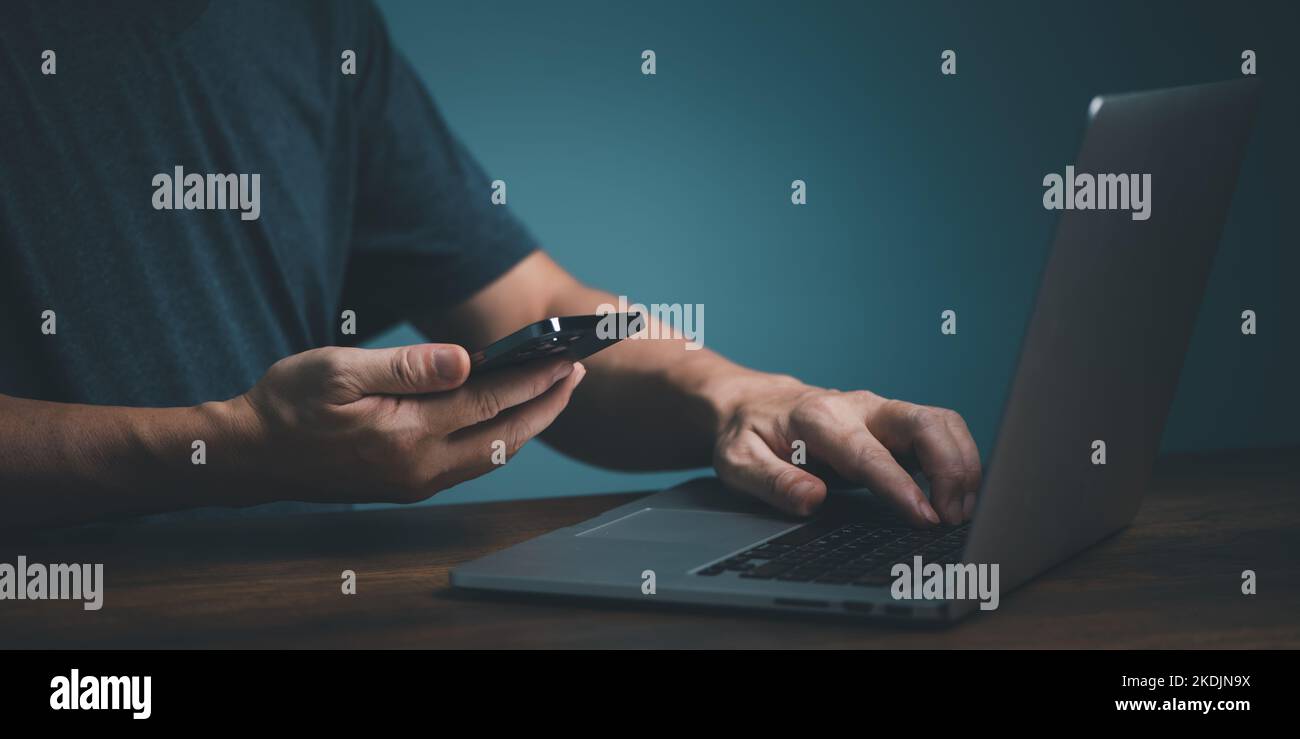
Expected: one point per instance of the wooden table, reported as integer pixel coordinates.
(1172, 580)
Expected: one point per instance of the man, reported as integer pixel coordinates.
(139, 324)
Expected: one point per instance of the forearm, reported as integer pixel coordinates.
(648, 403)
(644, 404)
(64, 463)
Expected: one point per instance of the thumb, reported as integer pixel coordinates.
(746, 463)
(407, 370)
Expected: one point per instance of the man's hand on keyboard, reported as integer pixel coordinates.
(858, 437)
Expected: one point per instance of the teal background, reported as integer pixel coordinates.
(924, 191)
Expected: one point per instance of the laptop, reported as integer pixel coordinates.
(1099, 361)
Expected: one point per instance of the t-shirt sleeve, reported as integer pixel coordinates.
(426, 234)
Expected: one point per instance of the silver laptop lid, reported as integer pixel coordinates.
(1143, 207)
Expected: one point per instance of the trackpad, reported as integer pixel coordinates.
(669, 526)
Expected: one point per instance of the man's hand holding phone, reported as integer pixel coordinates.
(402, 423)
(398, 425)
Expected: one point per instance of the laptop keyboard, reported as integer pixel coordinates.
(838, 553)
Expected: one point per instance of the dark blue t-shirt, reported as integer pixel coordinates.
(366, 201)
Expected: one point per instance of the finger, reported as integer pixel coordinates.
(945, 467)
(857, 456)
(475, 446)
(970, 457)
(747, 464)
(486, 397)
(401, 370)
(923, 431)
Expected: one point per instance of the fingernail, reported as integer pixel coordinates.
(562, 371)
(802, 497)
(968, 505)
(446, 364)
(581, 371)
(927, 512)
(803, 489)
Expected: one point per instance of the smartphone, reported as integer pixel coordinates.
(574, 337)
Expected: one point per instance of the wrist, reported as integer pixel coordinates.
(204, 454)
(235, 445)
(727, 393)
